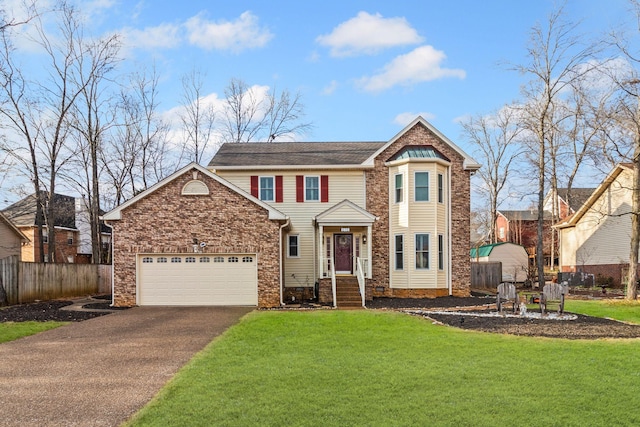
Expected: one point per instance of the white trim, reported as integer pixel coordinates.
(273, 188)
(415, 187)
(291, 167)
(304, 182)
(116, 213)
(395, 189)
(367, 218)
(297, 236)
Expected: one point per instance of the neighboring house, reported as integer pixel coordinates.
(11, 238)
(273, 223)
(596, 239)
(23, 215)
(83, 224)
(514, 259)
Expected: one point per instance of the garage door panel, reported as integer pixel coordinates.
(197, 283)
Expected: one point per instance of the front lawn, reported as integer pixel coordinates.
(10, 331)
(628, 311)
(383, 368)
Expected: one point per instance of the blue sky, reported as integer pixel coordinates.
(364, 68)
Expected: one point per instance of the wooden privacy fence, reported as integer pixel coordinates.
(29, 281)
(486, 274)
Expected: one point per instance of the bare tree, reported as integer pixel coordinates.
(250, 116)
(197, 117)
(495, 139)
(556, 58)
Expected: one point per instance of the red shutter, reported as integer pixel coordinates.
(278, 188)
(299, 188)
(254, 185)
(324, 188)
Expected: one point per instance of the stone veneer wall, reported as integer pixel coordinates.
(167, 222)
(378, 204)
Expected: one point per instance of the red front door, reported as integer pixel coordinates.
(343, 253)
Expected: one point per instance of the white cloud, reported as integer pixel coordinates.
(368, 34)
(330, 88)
(162, 36)
(404, 119)
(236, 36)
(420, 65)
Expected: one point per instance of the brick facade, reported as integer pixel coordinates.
(64, 250)
(165, 221)
(378, 204)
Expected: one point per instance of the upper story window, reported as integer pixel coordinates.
(440, 188)
(399, 181)
(422, 186)
(312, 188)
(266, 188)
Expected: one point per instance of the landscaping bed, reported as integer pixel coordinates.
(583, 327)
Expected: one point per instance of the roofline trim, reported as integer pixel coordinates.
(356, 166)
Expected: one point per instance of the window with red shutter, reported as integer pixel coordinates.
(279, 197)
(254, 185)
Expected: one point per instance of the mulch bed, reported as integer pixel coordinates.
(44, 311)
(584, 327)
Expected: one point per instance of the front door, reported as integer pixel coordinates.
(343, 253)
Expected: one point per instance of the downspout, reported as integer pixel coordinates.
(112, 264)
(286, 224)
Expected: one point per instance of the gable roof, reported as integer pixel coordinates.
(578, 196)
(284, 155)
(316, 155)
(345, 212)
(23, 212)
(13, 227)
(115, 214)
(595, 195)
(468, 163)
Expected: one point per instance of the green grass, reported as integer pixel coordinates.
(379, 368)
(628, 311)
(10, 331)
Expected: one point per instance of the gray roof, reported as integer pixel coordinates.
(578, 196)
(23, 212)
(294, 153)
(524, 215)
(418, 152)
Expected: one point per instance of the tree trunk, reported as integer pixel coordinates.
(632, 291)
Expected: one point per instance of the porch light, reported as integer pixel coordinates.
(364, 239)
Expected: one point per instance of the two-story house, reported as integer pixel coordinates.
(270, 223)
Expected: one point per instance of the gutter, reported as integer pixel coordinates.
(113, 235)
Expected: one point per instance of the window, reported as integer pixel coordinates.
(422, 251)
(266, 188)
(176, 259)
(440, 188)
(399, 181)
(294, 246)
(190, 259)
(162, 259)
(233, 259)
(312, 188)
(46, 258)
(422, 186)
(218, 259)
(205, 259)
(440, 252)
(69, 238)
(147, 260)
(399, 252)
(247, 259)
(501, 232)
(45, 237)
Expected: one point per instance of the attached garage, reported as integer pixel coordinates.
(196, 239)
(197, 279)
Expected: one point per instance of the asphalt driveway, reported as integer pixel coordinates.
(101, 371)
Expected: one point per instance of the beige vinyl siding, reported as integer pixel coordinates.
(422, 217)
(602, 235)
(342, 185)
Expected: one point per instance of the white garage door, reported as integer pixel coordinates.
(197, 279)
